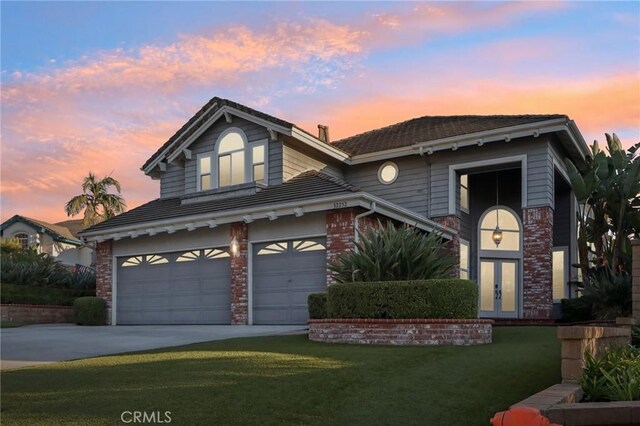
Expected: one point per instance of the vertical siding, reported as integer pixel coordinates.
(172, 182)
(207, 140)
(539, 169)
(410, 190)
(295, 162)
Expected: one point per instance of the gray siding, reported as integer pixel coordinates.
(207, 140)
(410, 190)
(295, 162)
(275, 162)
(172, 182)
(539, 169)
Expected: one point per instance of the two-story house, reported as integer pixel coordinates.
(252, 207)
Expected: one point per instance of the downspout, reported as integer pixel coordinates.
(372, 210)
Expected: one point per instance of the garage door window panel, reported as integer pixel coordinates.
(303, 246)
(189, 256)
(274, 248)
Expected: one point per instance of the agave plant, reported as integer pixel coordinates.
(391, 253)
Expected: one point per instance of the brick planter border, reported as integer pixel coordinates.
(36, 314)
(421, 332)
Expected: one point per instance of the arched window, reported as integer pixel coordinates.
(235, 161)
(508, 223)
(23, 239)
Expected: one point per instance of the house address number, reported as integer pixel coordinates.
(339, 204)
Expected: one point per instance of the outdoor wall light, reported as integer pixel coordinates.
(234, 247)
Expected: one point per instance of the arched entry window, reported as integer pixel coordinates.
(508, 223)
(23, 239)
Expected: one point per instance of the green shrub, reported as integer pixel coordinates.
(90, 311)
(576, 310)
(31, 268)
(317, 305)
(83, 279)
(35, 295)
(635, 336)
(390, 253)
(440, 298)
(612, 376)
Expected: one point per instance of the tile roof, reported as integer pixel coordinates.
(306, 186)
(217, 103)
(55, 230)
(428, 128)
(73, 225)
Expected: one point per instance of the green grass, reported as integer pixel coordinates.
(289, 380)
(11, 324)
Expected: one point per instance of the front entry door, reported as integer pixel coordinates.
(499, 288)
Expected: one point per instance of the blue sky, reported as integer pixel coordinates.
(100, 85)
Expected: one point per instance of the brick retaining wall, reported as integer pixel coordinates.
(36, 314)
(402, 331)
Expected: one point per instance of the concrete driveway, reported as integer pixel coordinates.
(41, 344)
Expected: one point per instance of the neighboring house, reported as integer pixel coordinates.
(59, 240)
(251, 208)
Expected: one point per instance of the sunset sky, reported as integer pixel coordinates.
(92, 86)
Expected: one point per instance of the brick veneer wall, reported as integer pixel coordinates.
(402, 331)
(340, 234)
(578, 340)
(537, 255)
(453, 246)
(239, 271)
(635, 271)
(104, 274)
(36, 314)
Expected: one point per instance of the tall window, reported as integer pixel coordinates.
(509, 225)
(231, 160)
(559, 277)
(257, 162)
(464, 193)
(23, 239)
(205, 181)
(464, 259)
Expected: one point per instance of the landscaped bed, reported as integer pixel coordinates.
(290, 380)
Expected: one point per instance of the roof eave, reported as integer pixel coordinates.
(355, 199)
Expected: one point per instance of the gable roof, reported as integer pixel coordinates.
(430, 128)
(201, 117)
(56, 231)
(305, 186)
(73, 225)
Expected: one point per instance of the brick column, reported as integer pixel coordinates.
(635, 271)
(537, 248)
(104, 274)
(453, 246)
(340, 234)
(239, 271)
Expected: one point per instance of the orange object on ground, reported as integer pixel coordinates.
(521, 416)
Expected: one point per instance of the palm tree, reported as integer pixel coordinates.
(97, 202)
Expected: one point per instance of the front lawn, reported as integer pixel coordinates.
(289, 380)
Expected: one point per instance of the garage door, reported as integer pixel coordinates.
(284, 274)
(189, 287)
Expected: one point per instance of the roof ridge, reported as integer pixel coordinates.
(488, 116)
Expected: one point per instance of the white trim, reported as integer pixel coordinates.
(265, 144)
(357, 199)
(321, 146)
(453, 169)
(464, 209)
(382, 166)
(198, 158)
(573, 238)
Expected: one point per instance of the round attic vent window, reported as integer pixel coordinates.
(388, 173)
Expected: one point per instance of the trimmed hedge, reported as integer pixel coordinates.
(437, 298)
(36, 295)
(90, 311)
(317, 305)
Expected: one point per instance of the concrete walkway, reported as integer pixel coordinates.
(41, 344)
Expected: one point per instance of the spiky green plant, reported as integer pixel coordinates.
(393, 253)
(612, 376)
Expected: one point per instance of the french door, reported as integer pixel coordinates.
(499, 288)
